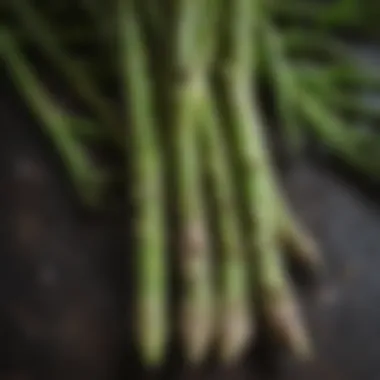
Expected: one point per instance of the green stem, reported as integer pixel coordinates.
(237, 321)
(257, 185)
(344, 75)
(87, 181)
(43, 35)
(197, 307)
(299, 42)
(341, 14)
(147, 156)
(335, 134)
(282, 78)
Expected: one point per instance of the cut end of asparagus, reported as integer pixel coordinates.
(152, 339)
(238, 330)
(152, 355)
(285, 320)
(197, 333)
(197, 318)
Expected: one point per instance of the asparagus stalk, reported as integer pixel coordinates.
(334, 133)
(84, 129)
(343, 14)
(278, 300)
(237, 321)
(146, 152)
(354, 104)
(299, 42)
(43, 35)
(281, 77)
(88, 182)
(279, 305)
(345, 75)
(197, 308)
(297, 241)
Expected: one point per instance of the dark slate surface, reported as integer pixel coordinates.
(62, 284)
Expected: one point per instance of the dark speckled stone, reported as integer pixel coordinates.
(63, 287)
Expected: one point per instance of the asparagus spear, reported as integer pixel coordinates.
(88, 182)
(345, 74)
(84, 129)
(297, 241)
(146, 156)
(341, 14)
(354, 104)
(43, 35)
(298, 42)
(197, 306)
(281, 76)
(334, 133)
(278, 301)
(237, 322)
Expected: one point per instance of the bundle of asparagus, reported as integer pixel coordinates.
(189, 125)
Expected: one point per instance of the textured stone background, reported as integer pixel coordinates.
(63, 284)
